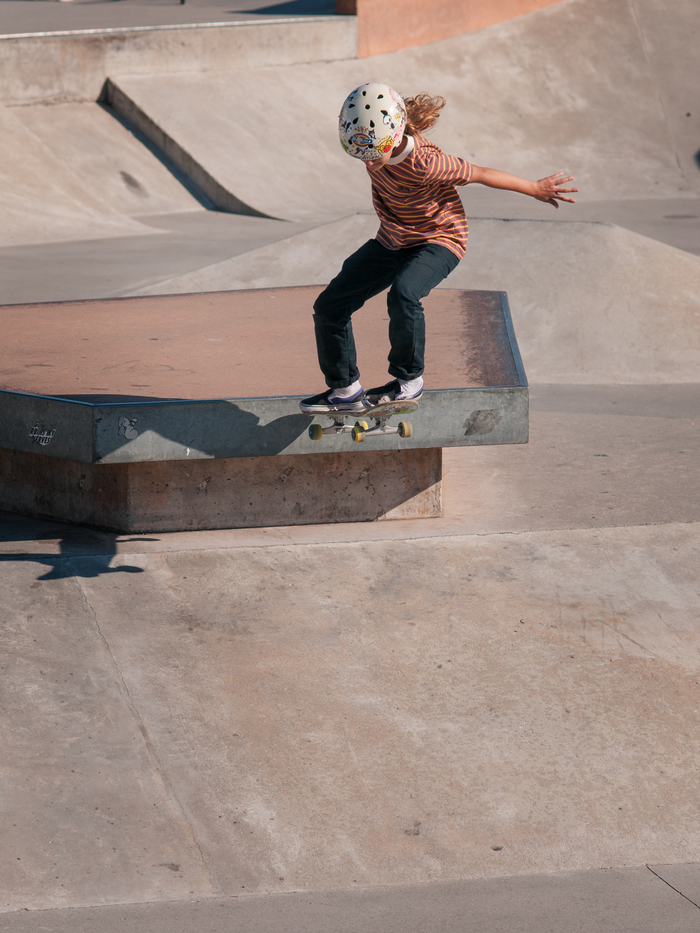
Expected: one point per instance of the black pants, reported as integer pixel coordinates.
(410, 274)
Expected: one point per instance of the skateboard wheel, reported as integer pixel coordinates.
(358, 435)
(315, 432)
(405, 429)
(362, 424)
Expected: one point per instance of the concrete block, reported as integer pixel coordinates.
(187, 377)
(249, 492)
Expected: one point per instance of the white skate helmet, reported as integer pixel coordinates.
(372, 121)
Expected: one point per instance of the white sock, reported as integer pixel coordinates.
(411, 386)
(347, 391)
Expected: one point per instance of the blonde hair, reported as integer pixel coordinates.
(422, 112)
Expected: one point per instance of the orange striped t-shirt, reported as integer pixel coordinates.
(416, 199)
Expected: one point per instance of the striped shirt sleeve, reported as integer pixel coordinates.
(447, 169)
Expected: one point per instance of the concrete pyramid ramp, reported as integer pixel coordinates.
(43, 200)
(554, 90)
(592, 303)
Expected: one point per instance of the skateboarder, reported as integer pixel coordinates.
(422, 237)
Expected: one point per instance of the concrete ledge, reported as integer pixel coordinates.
(74, 66)
(252, 492)
(132, 431)
(192, 377)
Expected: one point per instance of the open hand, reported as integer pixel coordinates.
(548, 190)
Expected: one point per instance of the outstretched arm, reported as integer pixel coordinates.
(546, 189)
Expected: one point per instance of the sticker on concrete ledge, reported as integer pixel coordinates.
(127, 429)
(482, 421)
(41, 435)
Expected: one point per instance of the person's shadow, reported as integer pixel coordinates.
(82, 552)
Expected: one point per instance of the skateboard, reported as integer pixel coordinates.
(380, 414)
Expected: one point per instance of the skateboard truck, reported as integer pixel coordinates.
(380, 414)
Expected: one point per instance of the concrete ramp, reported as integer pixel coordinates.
(115, 166)
(590, 301)
(519, 98)
(42, 199)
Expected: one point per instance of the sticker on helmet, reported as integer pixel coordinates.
(361, 140)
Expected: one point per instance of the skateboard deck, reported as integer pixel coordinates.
(361, 429)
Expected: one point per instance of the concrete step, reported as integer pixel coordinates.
(73, 66)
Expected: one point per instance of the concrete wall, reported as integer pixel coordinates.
(250, 492)
(389, 25)
(74, 66)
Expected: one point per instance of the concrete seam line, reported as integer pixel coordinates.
(141, 726)
(253, 546)
(671, 887)
(413, 539)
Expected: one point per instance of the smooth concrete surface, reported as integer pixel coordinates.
(44, 198)
(111, 162)
(468, 707)
(588, 300)
(674, 221)
(630, 901)
(244, 492)
(398, 24)
(682, 878)
(171, 244)
(205, 346)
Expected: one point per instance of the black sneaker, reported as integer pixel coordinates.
(391, 392)
(323, 403)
